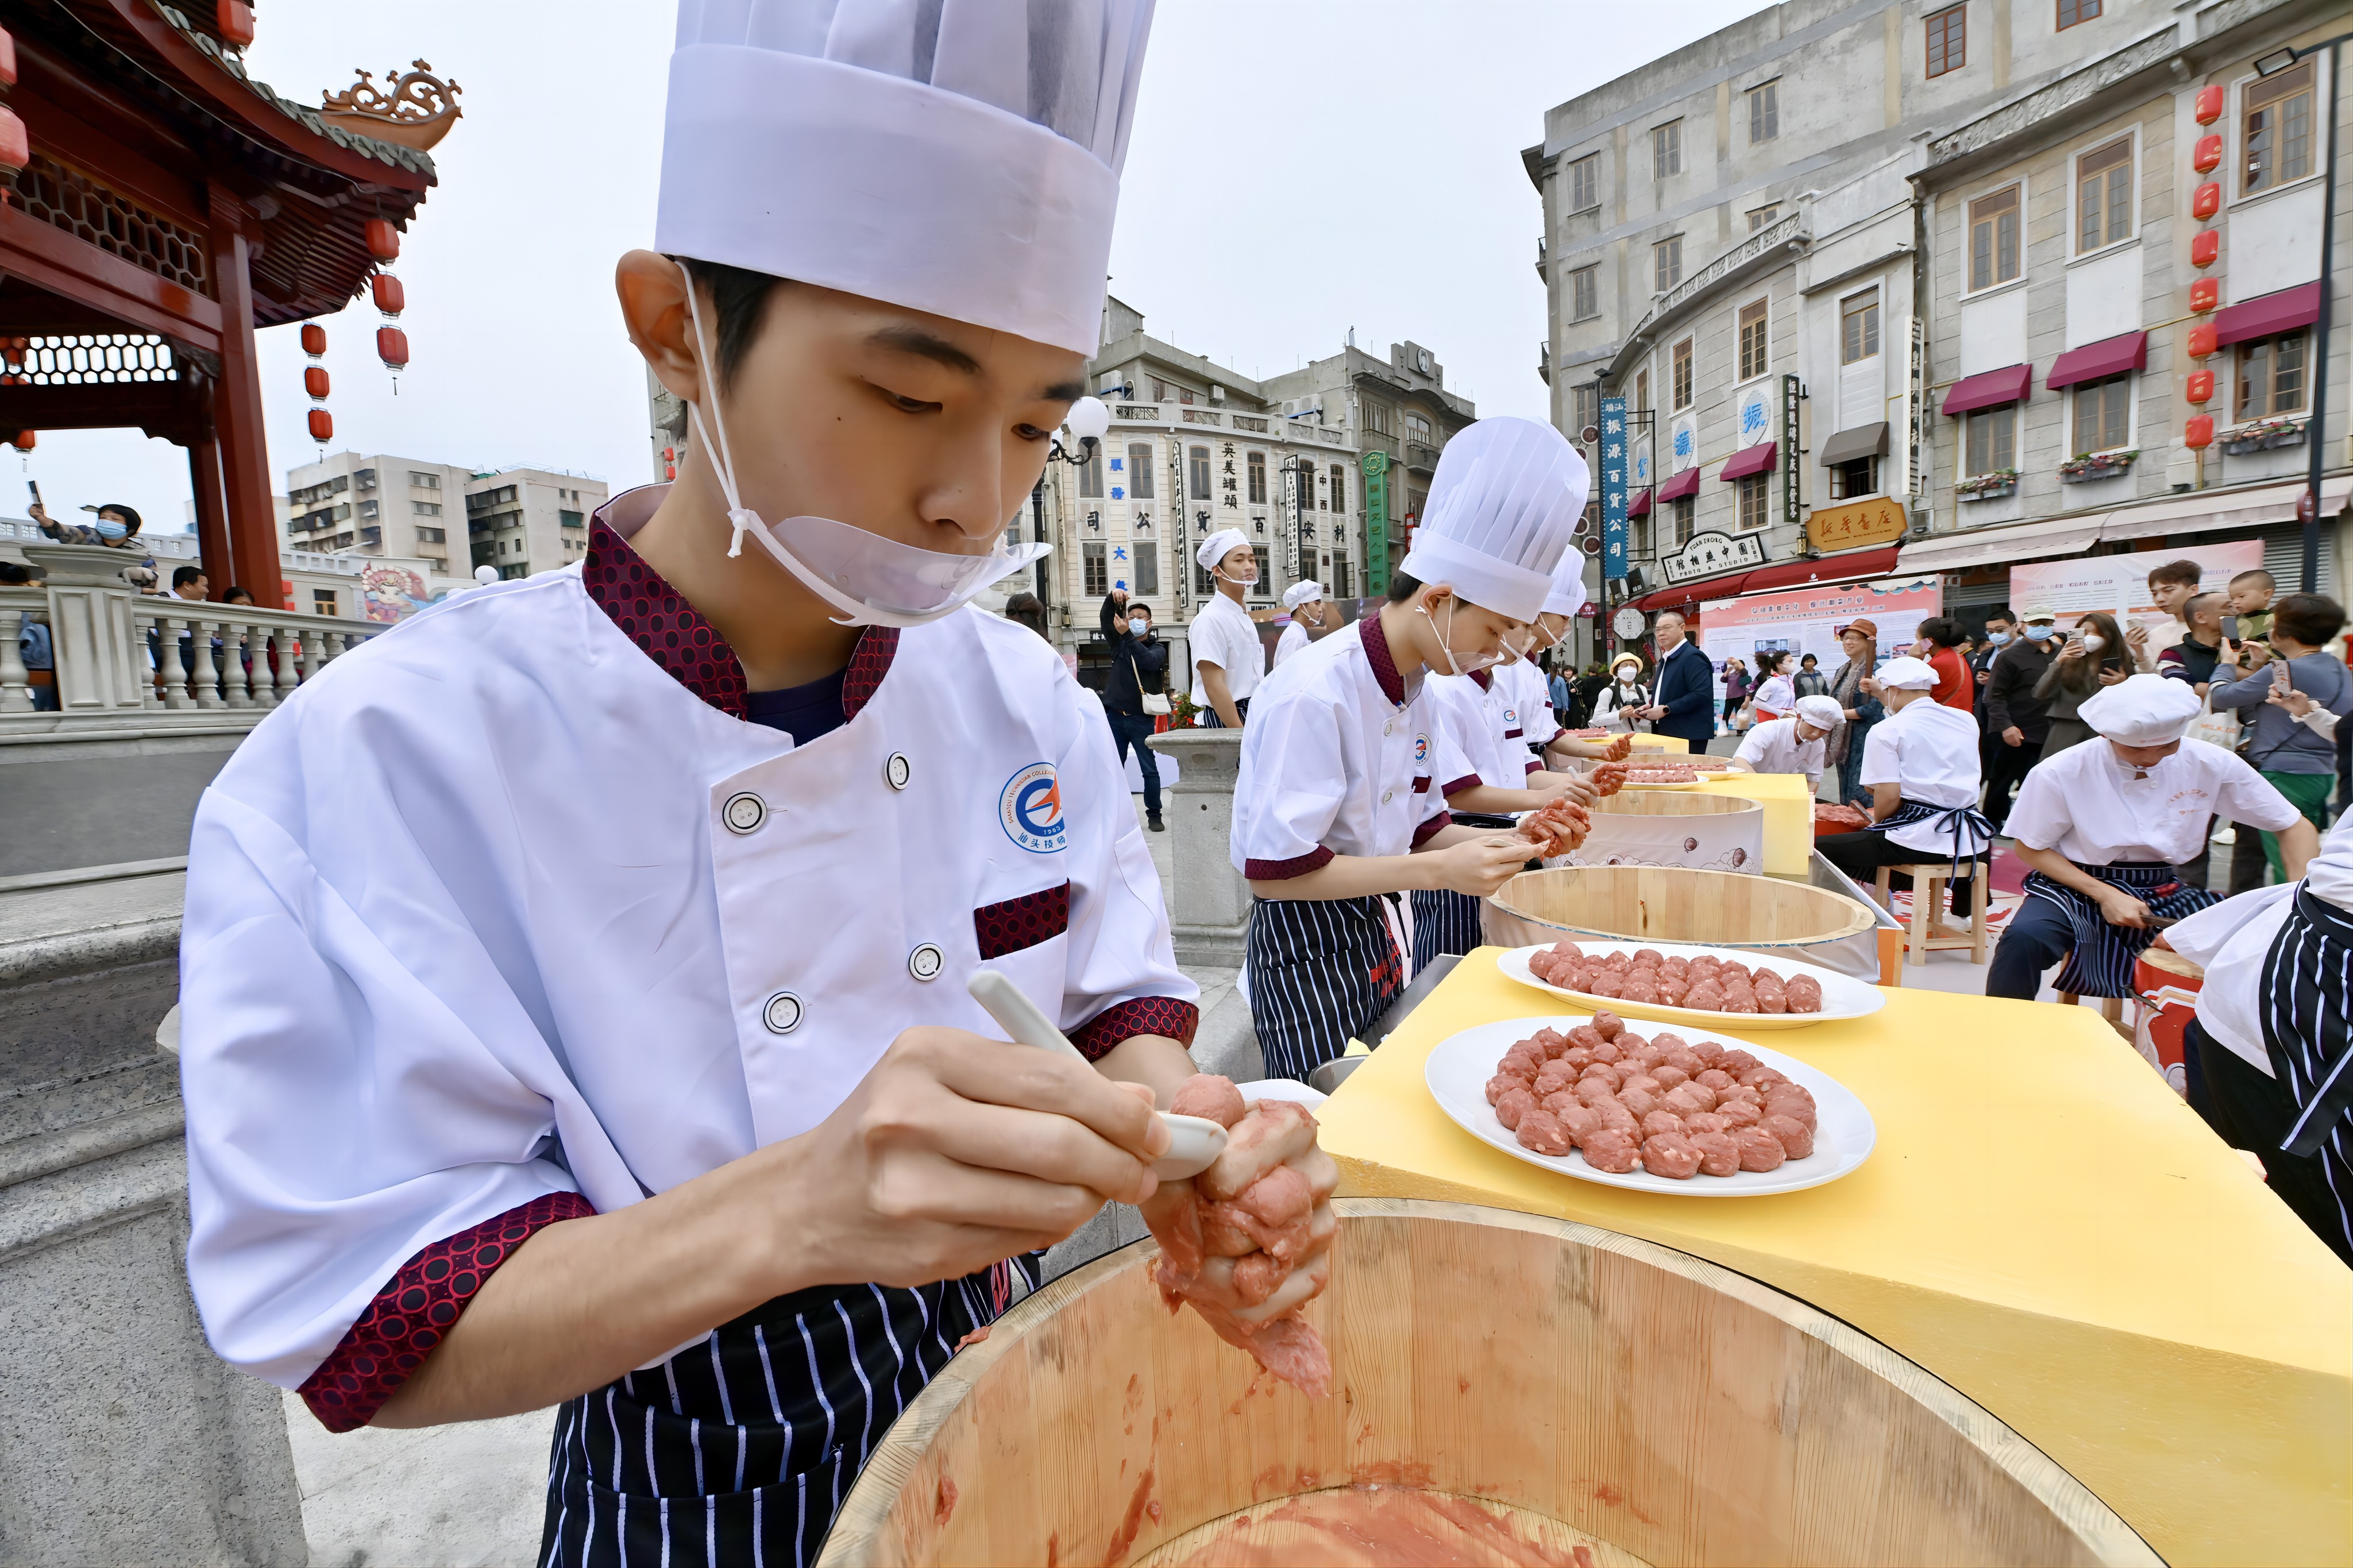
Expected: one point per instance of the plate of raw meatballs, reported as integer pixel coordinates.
(1704, 987)
(1685, 1111)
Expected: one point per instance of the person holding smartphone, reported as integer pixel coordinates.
(2297, 762)
(2093, 657)
(116, 526)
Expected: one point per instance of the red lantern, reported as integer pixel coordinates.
(669, 470)
(16, 146)
(669, 454)
(322, 424)
(392, 347)
(2204, 247)
(2208, 107)
(314, 382)
(2207, 155)
(2200, 387)
(314, 338)
(2201, 341)
(2205, 294)
(7, 58)
(383, 240)
(390, 297)
(2206, 201)
(24, 439)
(234, 20)
(2199, 434)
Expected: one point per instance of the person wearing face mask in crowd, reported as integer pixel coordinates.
(1623, 703)
(1229, 659)
(1139, 668)
(2093, 658)
(1311, 617)
(116, 526)
(677, 1071)
(1336, 816)
(2017, 719)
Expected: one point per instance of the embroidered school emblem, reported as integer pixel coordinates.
(1029, 808)
(1421, 748)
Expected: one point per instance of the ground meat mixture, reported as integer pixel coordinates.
(1704, 984)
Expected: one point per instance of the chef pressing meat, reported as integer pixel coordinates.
(573, 978)
(1793, 744)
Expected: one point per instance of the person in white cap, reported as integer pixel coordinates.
(1795, 744)
(2102, 828)
(635, 1073)
(1623, 705)
(1229, 659)
(1305, 603)
(1335, 812)
(1920, 762)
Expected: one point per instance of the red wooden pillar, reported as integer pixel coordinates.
(242, 441)
(212, 518)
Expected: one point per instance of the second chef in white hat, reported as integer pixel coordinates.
(1229, 659)
(1311, 617)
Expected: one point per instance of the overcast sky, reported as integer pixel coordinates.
(1298, 167)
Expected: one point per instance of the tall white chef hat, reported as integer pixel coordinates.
(1906, 674)
(1300, 593)
(960, 157)
(1568, 595)
(1219, 545)
(1821, 712)
(1505, 498)
(2142, 710)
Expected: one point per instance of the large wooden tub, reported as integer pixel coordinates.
(1507, 1389)
(1675, 827)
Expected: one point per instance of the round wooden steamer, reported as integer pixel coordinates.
(1667, 903)
(1523, 1376)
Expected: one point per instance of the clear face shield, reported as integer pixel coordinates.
(871, 579)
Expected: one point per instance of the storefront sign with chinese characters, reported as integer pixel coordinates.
(1879, 520)
(1377, 523)
(1613, 488)
(1711, 554)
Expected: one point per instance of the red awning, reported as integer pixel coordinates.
(1639, 505)
(2098, 362)
(1684, 484)
(1684, 595)
(1750, 460)
(1991, 389)
(1850, 566)
(2267, 313)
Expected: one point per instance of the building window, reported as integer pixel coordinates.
(1638, 534)
(1584, 409)
(424, 481)
(2103, 195)
(1643, 390)
(1686, 519)
(1098, 570)
(1667, 264)
(1584, 183)
(1197, 464)
(1264, 587)
(1185, 395)
(1257, 464)
(1203, 584)
(1948, 36)
(1666, 149)
(571, 519)
(2074, 11)
(1147, 568)
(1683, 373)
(1339, 487)
(432, 536)
(2271, 377)
(1417, 427)
(2276, 127)
(2102, 415)
(1764, 113)
(1585, 293)
(1091, 474)
(1991, 440)
(322, 602)
(1859, 327)
(1342, 587)
(425, 507)
(1752, 341)
(1376, 417)
(1756, 494)
(1851, 480)
(1139, 471)
(1762, 216)
(1993, 238)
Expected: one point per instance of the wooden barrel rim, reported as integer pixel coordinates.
(2172, 963)
(1854, 918)
(865, 1513)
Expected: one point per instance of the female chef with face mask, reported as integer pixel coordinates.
(1336, 814)
(572, 982)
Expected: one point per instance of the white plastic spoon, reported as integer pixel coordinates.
(1194, 1141)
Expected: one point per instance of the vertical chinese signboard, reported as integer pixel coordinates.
(1376, 525)
(1790, 498)
(1613, 488)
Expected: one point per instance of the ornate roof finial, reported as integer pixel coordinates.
(416, 109)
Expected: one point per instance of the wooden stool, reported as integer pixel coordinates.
(1928, 885)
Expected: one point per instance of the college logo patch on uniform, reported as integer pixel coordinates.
(1029, 808)
(1421, 749)
(1511, 715)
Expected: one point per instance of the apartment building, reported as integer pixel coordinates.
(519, 520)
(379, 504)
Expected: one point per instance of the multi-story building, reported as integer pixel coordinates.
(521, 521)
(378, 505)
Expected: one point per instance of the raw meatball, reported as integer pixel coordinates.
(1541, 1131)
(1672, 1156)
(1500, 1083)
(1684, 1059)
(1785, 1109)
(1650, 955)
(1641, 1102)
(1568, 949)
(1739, 1113)
(1617, 960)
(1594, 1090)
(1805, 994)
(1551, 1040)
(1642, 992)
(1576, 1057)
(1659, 1121)
(1522, 1060)
(1516, 1104)
(1734, 966)
(1605, 984)
(1742, 1092)
(1206, 1094)
(1713, 1078)
(1705, 1121)
(1585, 1034)
(1608, 1052)
(1560, 1100)
(1772, 1000)
(1795, 1138)
(1638, 1079)
(1608, 1025)
(1704, 997)
(1613, 1114)
(1760, 1150)
(1736, 1062)
(1759, 1077)
(1673, 992)
(1669, 1043)
(1642, 1051)
(1668, 1075)
(1606, 1073)
(1710, 1054)
(1704, 965)
(1555, 1076)
(1740, 1002)
(1675, 967)
(1610, 1150)
(1581, 1121)
(1719, 1152)
(1687, 1099)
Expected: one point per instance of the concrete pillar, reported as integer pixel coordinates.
(100, 657)
(1210, 903)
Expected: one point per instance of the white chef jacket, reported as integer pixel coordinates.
(1530, 703)
(2086, 804)
(1338, 759)
(1930, 753)
(1774, 747)
(2232, 938)
(1224, 634)
(1478, 729)
(495, 907)
(1778, 695)
(1295, 639)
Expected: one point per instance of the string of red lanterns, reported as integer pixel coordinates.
(391, 299)
(316, 384)
(2205, 293)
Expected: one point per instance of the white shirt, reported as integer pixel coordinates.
(1774, 747)
(1295, 639)
(496, 887)
(1777, 694)
(2086, 804)
(2232, 940)
(1469, 728)
(1333, 761)
(1615, 696)
(1530, 703)
(1224, 634)
(1930, 753)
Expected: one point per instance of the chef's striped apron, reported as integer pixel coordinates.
(1960, 820)
(740, 1449)
(1443, 921)
(2101, 961)
(2306, 976)
(1321, 970)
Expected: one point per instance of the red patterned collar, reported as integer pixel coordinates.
(673, 634)
(1377, 650)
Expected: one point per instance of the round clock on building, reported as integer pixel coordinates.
(1629, 623)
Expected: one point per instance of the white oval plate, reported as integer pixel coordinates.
(1843, 997)
(1459, 1066)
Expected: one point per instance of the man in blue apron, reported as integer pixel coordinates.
(1920, 763)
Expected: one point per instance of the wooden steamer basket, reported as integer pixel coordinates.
(1660, 903)
(1526, 1377)
(1666, 828)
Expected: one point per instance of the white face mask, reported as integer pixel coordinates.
(873, 581)
(2094, 642)
(1469, 662)
(1137, 626)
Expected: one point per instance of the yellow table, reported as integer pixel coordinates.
(2043, 1225)
(1673, 745)
(1789, 817)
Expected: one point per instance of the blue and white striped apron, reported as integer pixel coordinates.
(2101, 961)
(1960, 819)
(740, 1449)
(2308, 1018)
(1321, 970)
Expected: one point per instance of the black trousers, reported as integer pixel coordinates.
(2247, 864)
(1134, 730)
(2039, 935)
(2006, 767)
(2250, 1110)
(1860, 854)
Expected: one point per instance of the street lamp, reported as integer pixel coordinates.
(1087, 423)
(2309, 509)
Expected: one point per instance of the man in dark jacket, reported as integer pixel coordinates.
(1684, 704)
(1139, 663)
(2017, 721)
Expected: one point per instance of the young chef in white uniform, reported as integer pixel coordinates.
(1305, 603)
(640, 896)
(1335, 815)
(1229, 661)
(1797, 744)
(1920, 763)
(2102, 827)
